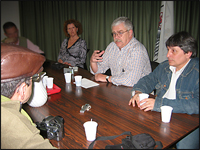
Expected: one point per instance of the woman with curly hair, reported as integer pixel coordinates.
(73, 49)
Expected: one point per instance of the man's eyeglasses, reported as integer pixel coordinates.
(36, 77)
(119, 34)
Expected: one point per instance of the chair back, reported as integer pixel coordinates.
(154, 65)
(85, 65)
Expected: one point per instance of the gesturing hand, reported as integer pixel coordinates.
(97, 56)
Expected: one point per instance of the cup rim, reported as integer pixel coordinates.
(165, 106)
(94, 122)
(78, 76)
(144, 94)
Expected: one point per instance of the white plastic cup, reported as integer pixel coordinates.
(44, 81)
(75, 68)
(50, 82)
(67, 77)
(90, 130)
(78, 80)
(143, 96)
(166, 112)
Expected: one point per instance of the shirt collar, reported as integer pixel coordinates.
(173, 69)
(4, 99)
(127, 45)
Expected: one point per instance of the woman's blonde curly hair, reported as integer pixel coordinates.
(77, 25)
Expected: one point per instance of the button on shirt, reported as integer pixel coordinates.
(171, 92)
(127, 65)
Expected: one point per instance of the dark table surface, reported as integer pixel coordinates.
(110, 109)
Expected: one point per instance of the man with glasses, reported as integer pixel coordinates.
(126, 57)
(19, 66)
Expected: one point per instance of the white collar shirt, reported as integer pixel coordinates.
(171, 92)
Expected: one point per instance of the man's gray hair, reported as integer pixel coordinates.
(8, 88)
(127, 23)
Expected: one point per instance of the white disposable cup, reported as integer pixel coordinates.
(75, 68)
(90, 130)
(166, 112)
(78, 80)
(44, 80)
(143, 96)
(67, 77)
(50, 82)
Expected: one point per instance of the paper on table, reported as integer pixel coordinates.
(86, 83)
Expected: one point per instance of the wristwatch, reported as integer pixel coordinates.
(107, 77)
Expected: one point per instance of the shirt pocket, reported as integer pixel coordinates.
(185, 95)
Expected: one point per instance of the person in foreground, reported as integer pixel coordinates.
(126, 57)
(11, 32)
(19, 66)
(73, 49)
(176, 81)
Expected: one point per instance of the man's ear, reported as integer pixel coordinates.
(20, 92)
(131, 33)
(189, 54)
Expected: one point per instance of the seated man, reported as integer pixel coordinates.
(176, 81)
(18, 65)
(11, 31)
(126, 57)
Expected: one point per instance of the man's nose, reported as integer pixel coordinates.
(168, 54)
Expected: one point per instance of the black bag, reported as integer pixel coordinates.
(139, 141)
(57, 66)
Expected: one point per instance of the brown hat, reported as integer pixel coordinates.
(18, 62)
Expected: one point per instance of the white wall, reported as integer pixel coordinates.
(9, 12)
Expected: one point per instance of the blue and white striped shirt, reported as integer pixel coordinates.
(127, 65)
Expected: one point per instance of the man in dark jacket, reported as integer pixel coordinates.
(176, 81)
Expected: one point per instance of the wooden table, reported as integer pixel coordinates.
(110, 109)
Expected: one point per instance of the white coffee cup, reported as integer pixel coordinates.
(78, 80)
(67, 77)
(50, 82)
(143, 96)
(44, 81)
(90, 130)
(166, 112)
(75, 68)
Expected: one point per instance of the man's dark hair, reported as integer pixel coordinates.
(185, 41)
(8, 25)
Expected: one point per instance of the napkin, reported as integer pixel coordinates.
(86, 83)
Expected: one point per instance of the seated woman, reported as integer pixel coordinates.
(73, 49)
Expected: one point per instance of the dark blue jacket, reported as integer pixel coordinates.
(187, 87)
